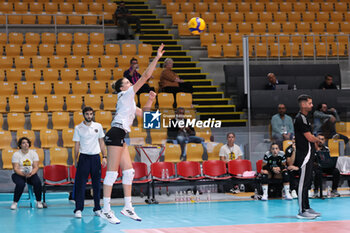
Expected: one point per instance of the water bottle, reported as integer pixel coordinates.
(208, 195)
(163, 174)
(294, 87)
(242, 187)
(198, 199)
(188, 196)
(181, 197)
(192, 197)
(176, 197)
(329, 192)
(166, 174)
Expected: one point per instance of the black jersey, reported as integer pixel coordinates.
(303, 146)
(274, 161)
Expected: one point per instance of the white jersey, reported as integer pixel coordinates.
(126, 109)
(230, 153)
(25, 161)
(88, 136)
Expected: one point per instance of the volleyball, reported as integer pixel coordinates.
(196, 25)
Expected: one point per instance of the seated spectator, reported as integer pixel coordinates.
(230, 151)
(294, 171)
(133, 76)
(328, 83)
(123, 17)
(274, 166)
(25, 164)
(183, 135)
(282, 126)
(273, 82)
(324, 122)
(324, 163)
(170, 82)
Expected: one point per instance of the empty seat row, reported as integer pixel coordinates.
(173, 7)
(305, 49)
(67, 61)
(236, 17)
(33, 38)
(236, 38)
(75, 102)
(273, 27)
(66, 74)
(55, 7)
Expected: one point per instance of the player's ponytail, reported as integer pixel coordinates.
(116, 85)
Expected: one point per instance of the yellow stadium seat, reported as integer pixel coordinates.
(50, 74)
(272, 6)
(3, 38)
(96, 50)
(96, 8)
(81, 38)
(66, 7)
(129, 49)
(64, 38)
(215, 7)
(60, 120)
(33, 74)
(214, 27)
(32, 38)
(336, 16)
(165, 100)
(24, 88)
(58, 156)
(12, 50)
(63, 49)
(98, 87)
(251, 17)
(112, 49)
(259, 27)
(55, 102)
(194, 152)
(172, 153)
(48, 138)
(103, 74)
(13, 75)
(21, 7)
(45, 19)
(318, 27)
(40, 62)
(243, 7)
(178, 18)
(36, 103)
(333, 145)
(14, 19)
(22, 62)
(17, 103)
(26, 133)
(6, 139)
(51, 7)
(294, 17)
(222, 17)
(28, 19)
(187, 7)
(6, 7)
(345, 27)
(7, 154)
(104, 118)
(61, 88)
(145, 50)
(207, 38)
(137, 136)
(15, 38)
(143, 99)
(46, 49)
(231, 50)
(6, 62)
(108, 61)
(204, 133)
(229, 6)
(74, 61)
(79, 49)
(285, 6)
(36, 7)
(214, 50)
(68, 74)
(41, 156)
(183, 29)
(313, 6)
(48, 38)
(184, 99)
(86, 74)
(93, 101)
(39, 120)
(42, 88)
(326, 6)
(67, 137)
(79, 87)
(109, 102)
(172, 7)
(341, 6)
(74, 102)
(208, 17)
(77, 117)
(97, 38)
(159, 137)
(6, 89)
(15, 120)
(214, 150)
(81, 7)
(303, 27)
(201, 7)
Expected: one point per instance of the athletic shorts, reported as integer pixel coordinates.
(115, 137)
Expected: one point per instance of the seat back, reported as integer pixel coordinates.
(214, 168)
(194, 152)
(188, 169)
(58, 155)
(140, 170)
(157, 168)
(172, 152)
(55, 173)
(259, 166)
(236, 167)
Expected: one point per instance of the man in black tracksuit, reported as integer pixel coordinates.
(304, 158)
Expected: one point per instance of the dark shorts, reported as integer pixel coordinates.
(115, 137)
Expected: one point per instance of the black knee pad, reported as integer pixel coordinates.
(264, 179)
(285, 176)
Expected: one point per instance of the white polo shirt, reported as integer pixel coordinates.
(88, 137)
(126, 109)
(226, 151)
(25, 161)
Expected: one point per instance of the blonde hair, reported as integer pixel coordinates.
(167, 60)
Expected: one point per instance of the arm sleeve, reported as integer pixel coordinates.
(15, 158)
(321, 115)
(301, 126)
(101, 134)
(130, 94)
(76, 137)
(222, 151)
(265, 159)
(35, 156)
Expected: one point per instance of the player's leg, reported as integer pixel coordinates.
(95, 168)
(82, 174)
(264, 183)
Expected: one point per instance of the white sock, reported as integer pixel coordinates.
(106, 204)
(265, 189)
(286, 188)
(127, 202)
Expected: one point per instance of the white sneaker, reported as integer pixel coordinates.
(39, 205)
(14, 206)
(110, 217)
(288, 196)
(294, 194)
(130, 213)
(98, 213)
(78, 214)
(264, 198)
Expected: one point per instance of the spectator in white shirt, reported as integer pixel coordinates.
(230, 151)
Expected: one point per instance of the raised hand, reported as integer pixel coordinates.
(160, 51)
(152, 95)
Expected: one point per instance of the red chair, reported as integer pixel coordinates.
(156, 172)
(55, 176)
(189, 170)
(259, 166)
(215, 170)
(72, 173)
(238, 167)
(141, 176)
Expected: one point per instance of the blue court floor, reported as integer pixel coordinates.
(58, 217)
